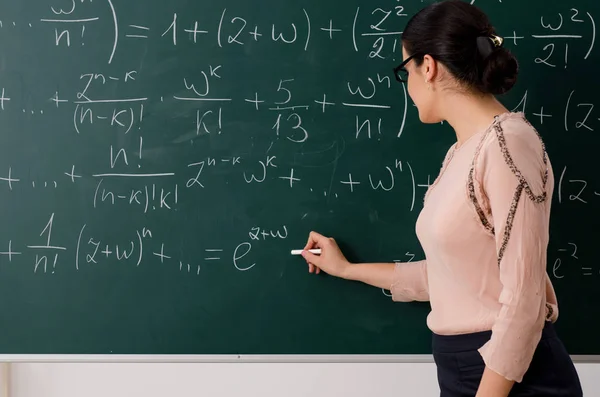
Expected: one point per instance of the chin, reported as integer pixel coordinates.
(429, 118)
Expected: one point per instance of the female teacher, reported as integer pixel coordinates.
(484, 223)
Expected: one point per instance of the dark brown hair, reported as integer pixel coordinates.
(457, 34)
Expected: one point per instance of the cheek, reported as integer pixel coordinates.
(421, 99)
(415, 92)
(410, 87)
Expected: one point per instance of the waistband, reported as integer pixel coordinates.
(473, 341)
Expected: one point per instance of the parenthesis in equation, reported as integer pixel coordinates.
(116, 23)
(75, 119)
(593, 35)
(77, 250)
(414, 186)
(96, 192)
(567, 110)
(147, 199)
(354, 29)
(560, 183)
(405, 110)
(141, 247)
(132, 120)
(308, 29)
(220, 28)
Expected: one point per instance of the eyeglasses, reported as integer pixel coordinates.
(400, 69)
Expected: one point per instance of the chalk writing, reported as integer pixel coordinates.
(201, 120)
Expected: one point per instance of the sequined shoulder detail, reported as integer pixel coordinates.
(542, 197)
(523, 185)
(471, 184)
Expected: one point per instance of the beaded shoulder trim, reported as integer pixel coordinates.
(523, 185)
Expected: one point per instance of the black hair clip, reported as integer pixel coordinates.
(487, 44)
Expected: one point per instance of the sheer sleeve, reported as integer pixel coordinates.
(516, 184)
(409, 282)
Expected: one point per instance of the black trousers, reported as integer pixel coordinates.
(460, 366)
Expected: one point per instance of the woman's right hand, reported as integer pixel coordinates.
(331, 260)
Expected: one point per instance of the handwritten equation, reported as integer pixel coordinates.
(144, 111)
(148, 197)
(89, 250)
(376, 28)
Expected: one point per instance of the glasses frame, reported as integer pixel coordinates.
(400, 68)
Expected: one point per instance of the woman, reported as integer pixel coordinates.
(485, 220)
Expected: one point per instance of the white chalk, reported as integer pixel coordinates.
(312, 251)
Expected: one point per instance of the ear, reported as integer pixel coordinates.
(429, 68)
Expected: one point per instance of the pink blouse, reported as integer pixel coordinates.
(484, 230)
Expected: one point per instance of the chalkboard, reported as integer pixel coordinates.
(160, 159)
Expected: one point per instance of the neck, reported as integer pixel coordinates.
(470, 114)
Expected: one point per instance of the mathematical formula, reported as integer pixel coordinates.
(164, 109)
(141, 248)
(376, 28)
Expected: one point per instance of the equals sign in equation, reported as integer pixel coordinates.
(586, 271)
(213, 254)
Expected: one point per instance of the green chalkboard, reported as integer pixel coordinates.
(159, 160)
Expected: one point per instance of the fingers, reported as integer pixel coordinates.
(315, 240)
(311, 258)
(310, 243)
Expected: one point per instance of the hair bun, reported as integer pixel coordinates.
(500, 70)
